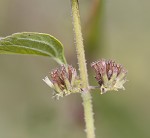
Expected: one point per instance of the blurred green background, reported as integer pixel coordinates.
(115, 29)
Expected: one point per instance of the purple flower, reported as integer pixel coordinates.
(109, 74)
(64, 81)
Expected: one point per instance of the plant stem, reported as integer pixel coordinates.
(86, 96)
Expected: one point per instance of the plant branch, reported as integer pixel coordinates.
(86, 96)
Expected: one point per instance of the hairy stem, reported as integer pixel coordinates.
(86, 96)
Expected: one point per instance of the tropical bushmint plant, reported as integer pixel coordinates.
(65, 80)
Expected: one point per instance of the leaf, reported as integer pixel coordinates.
(33, 44)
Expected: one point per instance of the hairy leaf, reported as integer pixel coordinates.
(33, 43)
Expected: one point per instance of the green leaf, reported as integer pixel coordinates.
(33, 44)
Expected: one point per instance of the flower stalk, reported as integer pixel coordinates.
(86, 96)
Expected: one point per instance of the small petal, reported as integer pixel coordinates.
(48, 82)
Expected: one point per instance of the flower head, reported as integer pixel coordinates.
(64, 81)
(109, 74)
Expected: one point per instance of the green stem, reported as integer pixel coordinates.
(86, 96)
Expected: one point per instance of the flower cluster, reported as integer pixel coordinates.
(64, 81)
(110, 75)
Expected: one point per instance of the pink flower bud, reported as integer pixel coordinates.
(64, 81)
(109, 75)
